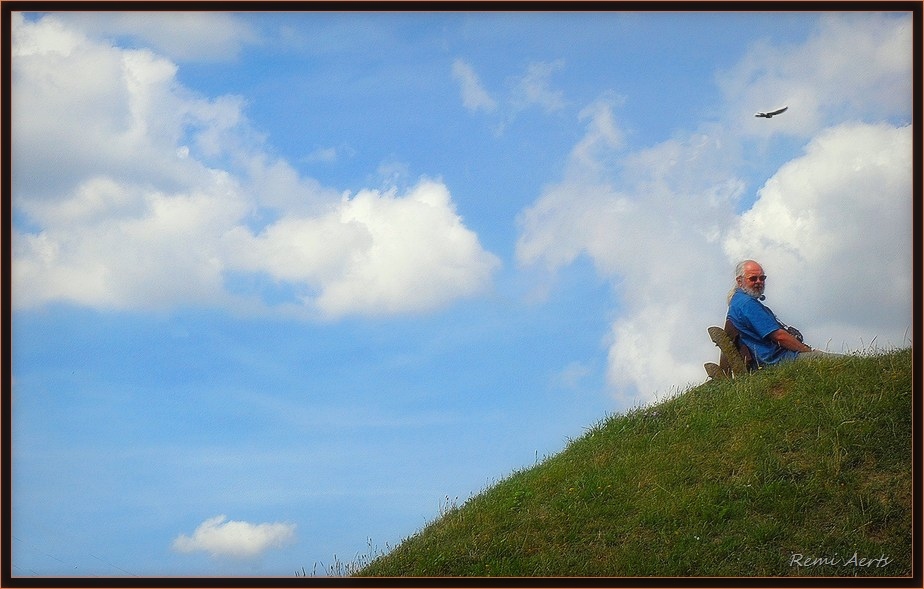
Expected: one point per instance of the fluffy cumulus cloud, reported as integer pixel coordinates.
(832, 226)
(373, 253)
(652, 226)
(133, 192)
(220, 537)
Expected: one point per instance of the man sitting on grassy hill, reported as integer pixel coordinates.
(769, 339)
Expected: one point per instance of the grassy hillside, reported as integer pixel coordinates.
(798, 470)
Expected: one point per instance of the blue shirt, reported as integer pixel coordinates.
(755, 323)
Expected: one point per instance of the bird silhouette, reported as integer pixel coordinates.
(770, 114)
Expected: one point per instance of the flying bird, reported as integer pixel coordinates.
(770, 114)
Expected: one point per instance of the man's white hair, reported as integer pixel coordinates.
(739, 269)
(739, 272)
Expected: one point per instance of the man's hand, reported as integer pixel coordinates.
(788, 341)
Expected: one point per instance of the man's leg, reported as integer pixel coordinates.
(815, 354)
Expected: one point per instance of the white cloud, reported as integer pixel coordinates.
(853, 66)
(534, 87)
(182, 35)
(236, 539)
(657, 348)
(123, 246)
(135, 193)
(835, 226)
(652, 226)
(375, 253)
(571, 376)
(87, 109)
(327, 155)
(474, 96)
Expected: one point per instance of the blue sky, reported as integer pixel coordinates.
(286, 284)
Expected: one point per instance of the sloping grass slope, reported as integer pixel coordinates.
(798, 470)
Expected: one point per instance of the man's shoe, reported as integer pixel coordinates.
(714, 372)
(727, 346)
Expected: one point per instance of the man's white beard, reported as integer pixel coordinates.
(756, 292)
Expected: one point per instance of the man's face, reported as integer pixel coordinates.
(753, 280)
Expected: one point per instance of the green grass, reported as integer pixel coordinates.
(727, 479)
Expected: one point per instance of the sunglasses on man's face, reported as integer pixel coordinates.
(762, 278)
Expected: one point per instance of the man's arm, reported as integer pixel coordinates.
(788, 341)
